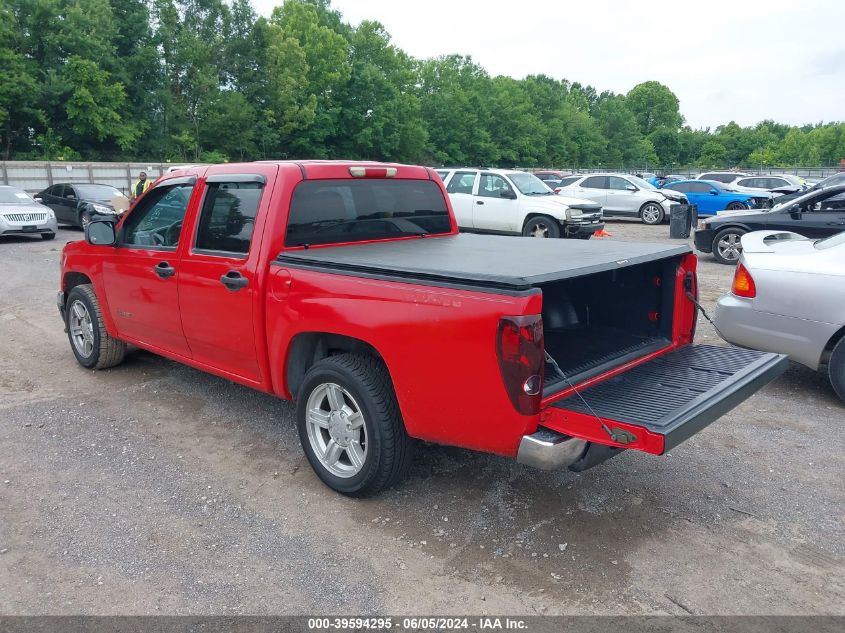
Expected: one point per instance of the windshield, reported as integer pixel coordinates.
(339, 211)
(97, 192)
(642, 184)
(830, 242)
(13, 195)
(529, 184)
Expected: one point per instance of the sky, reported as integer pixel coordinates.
(743, 60)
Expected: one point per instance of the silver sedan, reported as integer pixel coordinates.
(788, 296)
(20, 214)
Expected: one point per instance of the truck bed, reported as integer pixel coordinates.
(510, 264)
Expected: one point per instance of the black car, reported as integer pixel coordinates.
(815, 214)
(78, 203)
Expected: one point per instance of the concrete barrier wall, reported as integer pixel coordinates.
(34, 176)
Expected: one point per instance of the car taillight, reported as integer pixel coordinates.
(521, 354)
(743, 283)
(558, 189)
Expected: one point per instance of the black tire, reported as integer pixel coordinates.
(721, 251)
(84, 218)
(652, 214)
(389, 450)
(541, 226)
(584, 236)
(736, 206)
(836, 369)
(48, 236)
(105, 351)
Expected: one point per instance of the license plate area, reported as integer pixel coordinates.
(659, 404)
(29, 227)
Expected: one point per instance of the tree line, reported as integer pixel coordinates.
(209, 80)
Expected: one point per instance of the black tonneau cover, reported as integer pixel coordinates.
(506, 263)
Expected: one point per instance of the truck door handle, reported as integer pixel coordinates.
(479, 202)
(234, 281)
(164, 270)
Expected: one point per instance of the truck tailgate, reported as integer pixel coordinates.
(659, 404)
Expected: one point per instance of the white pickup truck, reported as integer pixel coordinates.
(517, 203)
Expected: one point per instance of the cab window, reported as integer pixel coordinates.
(156, 221)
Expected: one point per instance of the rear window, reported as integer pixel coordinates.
(335, 211)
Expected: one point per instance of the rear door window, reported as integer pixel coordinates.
(595, 182)
(461, 182)
(337, 211)
(227, 218)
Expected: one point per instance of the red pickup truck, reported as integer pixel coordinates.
(346, 287)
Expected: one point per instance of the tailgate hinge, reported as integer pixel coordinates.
(620, 436)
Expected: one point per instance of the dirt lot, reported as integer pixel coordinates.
(153, 488)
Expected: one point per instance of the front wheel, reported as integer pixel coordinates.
(48, 236)
(541, 226)
(350, 425)
(651, 213)
(836, 369)
(84, 219)
(727, 246)
(736, 206)
(89, 340)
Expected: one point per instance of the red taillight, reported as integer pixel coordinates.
(519, 348)
(558, 189)
(743, 283)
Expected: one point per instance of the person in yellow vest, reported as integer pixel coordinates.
(140, 185)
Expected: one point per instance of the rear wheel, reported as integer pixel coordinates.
(836, 369)
(89, 340)
(736, 206)
(727, 248)
(541, 226)
(350, 425)
(651, 213)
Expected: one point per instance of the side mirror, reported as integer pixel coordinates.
(510, 194)
(631, 188)
(101, 233)
(70, 196)
(714, 192)
(795, 211)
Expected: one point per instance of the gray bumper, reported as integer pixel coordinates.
(549, 450)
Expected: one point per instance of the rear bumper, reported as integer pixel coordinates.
(704, 240)
(549, 450)
(802, 340)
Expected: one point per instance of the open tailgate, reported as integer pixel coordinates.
(659, 404)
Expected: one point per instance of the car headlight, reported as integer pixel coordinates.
(99, 208)
(702, 224)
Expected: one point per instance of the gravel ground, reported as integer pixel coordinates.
(153, 488)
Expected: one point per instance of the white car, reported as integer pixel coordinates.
(725, 177)
(788, 296)
(517, 203)
(624, 195)
(20, 214)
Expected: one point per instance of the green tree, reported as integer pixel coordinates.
(654, 106)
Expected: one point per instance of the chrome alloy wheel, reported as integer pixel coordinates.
(730, 246)
(81, 329)
(652, 213)
(336, 430)
(539, 229)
